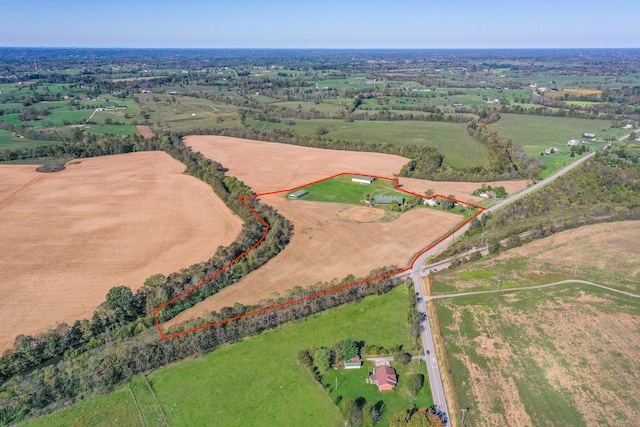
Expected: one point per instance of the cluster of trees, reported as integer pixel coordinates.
(499, 190)
(322, 359)
(412, 417)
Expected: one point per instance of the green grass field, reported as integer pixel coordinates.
(343, 190)
(451, 139)
(115, 409)
(537, 133)
(353, 384)
(150, 410)
(543, 357)
(8, 140)
(257, 381)
(186, 113)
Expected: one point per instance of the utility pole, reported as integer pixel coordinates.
(463, 413)
(498, 288)
(336, 383)
(575, 270)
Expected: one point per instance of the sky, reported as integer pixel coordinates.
(396, 24)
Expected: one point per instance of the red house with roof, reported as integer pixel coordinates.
(385, 378)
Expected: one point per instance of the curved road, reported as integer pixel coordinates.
(435, 380)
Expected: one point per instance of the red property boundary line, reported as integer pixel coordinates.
(295, 301)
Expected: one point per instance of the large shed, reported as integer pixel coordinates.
(387, 200)
(363, 179)
(297, 194)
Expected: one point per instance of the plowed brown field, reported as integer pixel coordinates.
(66, 238)
(325, 247)
(268, 166)
(326, 244)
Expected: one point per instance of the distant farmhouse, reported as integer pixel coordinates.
(573, 142)
(385, 378)
(298, 194)
(589, 135)
(431, 202)
(363, 179)
(387, 200)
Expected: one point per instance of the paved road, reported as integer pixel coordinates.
(435, 380)
(527, 288)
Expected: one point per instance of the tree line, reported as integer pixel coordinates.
(102, 369)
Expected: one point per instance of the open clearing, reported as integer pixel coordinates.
(66, 238)
(566, 355)
(604, 253)
(325, 247)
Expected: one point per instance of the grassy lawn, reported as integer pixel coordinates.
(353, 384)
(218, 385)
(116, 409)
(544, 357)
(343, 190)
(451, 139)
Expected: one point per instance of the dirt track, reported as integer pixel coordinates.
(66, 238)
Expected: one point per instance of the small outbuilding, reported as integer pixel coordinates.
(363, 179)
(353, 363)
(431, 202)
(589, 135)
(387, 200)
(298, 194)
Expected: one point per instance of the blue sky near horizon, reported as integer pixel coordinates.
(321, 24)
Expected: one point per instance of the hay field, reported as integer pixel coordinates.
(326, 246)
(564, 356)
(604, 253)
(66, 238)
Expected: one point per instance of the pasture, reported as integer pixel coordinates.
(603, 253)
(451, 139)
(537, 133)
(342, 190)
(565, 355)
(70, 236)
(283, 393)
(116, 409)
(185, 113)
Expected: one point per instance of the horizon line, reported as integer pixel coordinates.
(319, 48)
